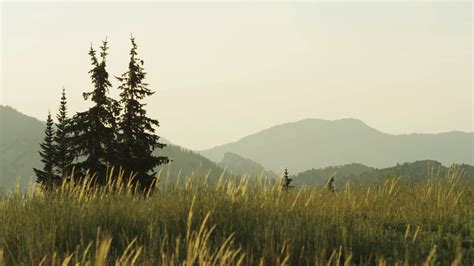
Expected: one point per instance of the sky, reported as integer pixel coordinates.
(222, 71)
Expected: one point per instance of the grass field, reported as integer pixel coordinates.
(241, 223)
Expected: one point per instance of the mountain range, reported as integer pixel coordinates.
(348, 147)
(316, 143)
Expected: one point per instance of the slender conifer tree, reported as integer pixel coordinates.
(63, 153)
(46, 177)
(137, 136)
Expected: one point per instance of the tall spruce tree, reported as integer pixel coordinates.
(46, 177)
(137, 136)
(63, 153)
(94, 138)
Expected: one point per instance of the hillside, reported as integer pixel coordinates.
(20, 136)
(315, 143)
(237, 165)
(187, 163)
(19, 139)
(418, 171)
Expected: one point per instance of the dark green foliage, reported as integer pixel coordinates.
(63, 153)
(94, 137)
(46, 177)
(137, 136)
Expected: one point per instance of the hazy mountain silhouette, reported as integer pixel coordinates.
(301, 145)
(239, 166)
(315, 143)
(20, 136)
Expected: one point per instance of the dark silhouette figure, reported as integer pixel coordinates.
(331, 184)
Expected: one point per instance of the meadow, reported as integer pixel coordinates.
(193, 221)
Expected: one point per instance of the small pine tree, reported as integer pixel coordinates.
(137, 136)
(63, 153)
(94, 138)
(287, 180)
(46, 177)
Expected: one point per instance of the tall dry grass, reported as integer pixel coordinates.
(238, 222)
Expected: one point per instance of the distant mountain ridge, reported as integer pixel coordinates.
(239, 166)
(316, 143)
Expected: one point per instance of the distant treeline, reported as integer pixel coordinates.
(358, 173)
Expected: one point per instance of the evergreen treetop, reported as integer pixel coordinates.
(94, 137)
(137, 136)
(63, 153)
(46, 177)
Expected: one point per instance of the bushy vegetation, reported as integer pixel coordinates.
(232, 222)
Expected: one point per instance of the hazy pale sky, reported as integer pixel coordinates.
(226, 70)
